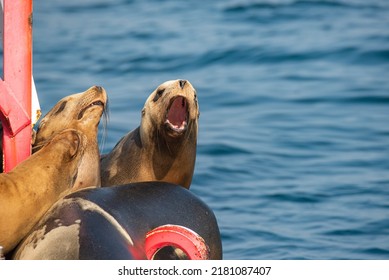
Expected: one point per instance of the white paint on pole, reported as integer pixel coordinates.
(35, 106)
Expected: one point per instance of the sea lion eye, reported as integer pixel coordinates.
(61, 108)
(41, 124)
(159, 93)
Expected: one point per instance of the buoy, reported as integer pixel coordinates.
(149, 220)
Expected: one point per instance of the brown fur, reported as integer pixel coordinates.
(82, 112)
(35, 184)
(1, 147)
(154, 151)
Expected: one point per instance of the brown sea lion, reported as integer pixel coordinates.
(163, 147)
(82, 112)
(34, 185)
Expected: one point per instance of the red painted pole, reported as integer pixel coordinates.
(15, 90)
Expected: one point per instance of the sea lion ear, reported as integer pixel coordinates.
(74, 139)
(76, 143)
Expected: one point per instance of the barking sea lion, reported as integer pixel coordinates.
(82, 112)
(163, 147)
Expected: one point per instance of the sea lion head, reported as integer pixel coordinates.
(68, 144)
(172, 109)
(29, 189)
(66, 150)
(81, 112)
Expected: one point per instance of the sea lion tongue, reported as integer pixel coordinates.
(177, 113)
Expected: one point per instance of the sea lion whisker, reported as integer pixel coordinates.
(105, 119)
(37, 147)
(168, 147)
(158, 141)
(187, 136)
(43, 143)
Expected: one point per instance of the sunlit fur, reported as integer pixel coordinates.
(82, 112)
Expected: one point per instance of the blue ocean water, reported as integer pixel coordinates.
(293, 147)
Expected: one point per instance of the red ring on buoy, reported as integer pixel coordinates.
(180, 237)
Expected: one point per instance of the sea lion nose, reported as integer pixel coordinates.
(182, 83)
(98, 88)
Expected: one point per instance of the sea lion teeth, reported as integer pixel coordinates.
(177, 114)
(177, 128)
(95, 103)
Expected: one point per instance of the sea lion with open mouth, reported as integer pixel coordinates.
(82, 112)
(163, 147)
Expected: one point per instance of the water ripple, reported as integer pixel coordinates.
(293, 138)
(222, 149)
(242, 7)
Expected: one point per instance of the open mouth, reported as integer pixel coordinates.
(94, 103)
(177, 115)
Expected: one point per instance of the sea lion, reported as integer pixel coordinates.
(113, 223)
(34, 185)
(82, 112)
(163, 147)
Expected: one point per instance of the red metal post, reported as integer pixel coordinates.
(15, 90)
